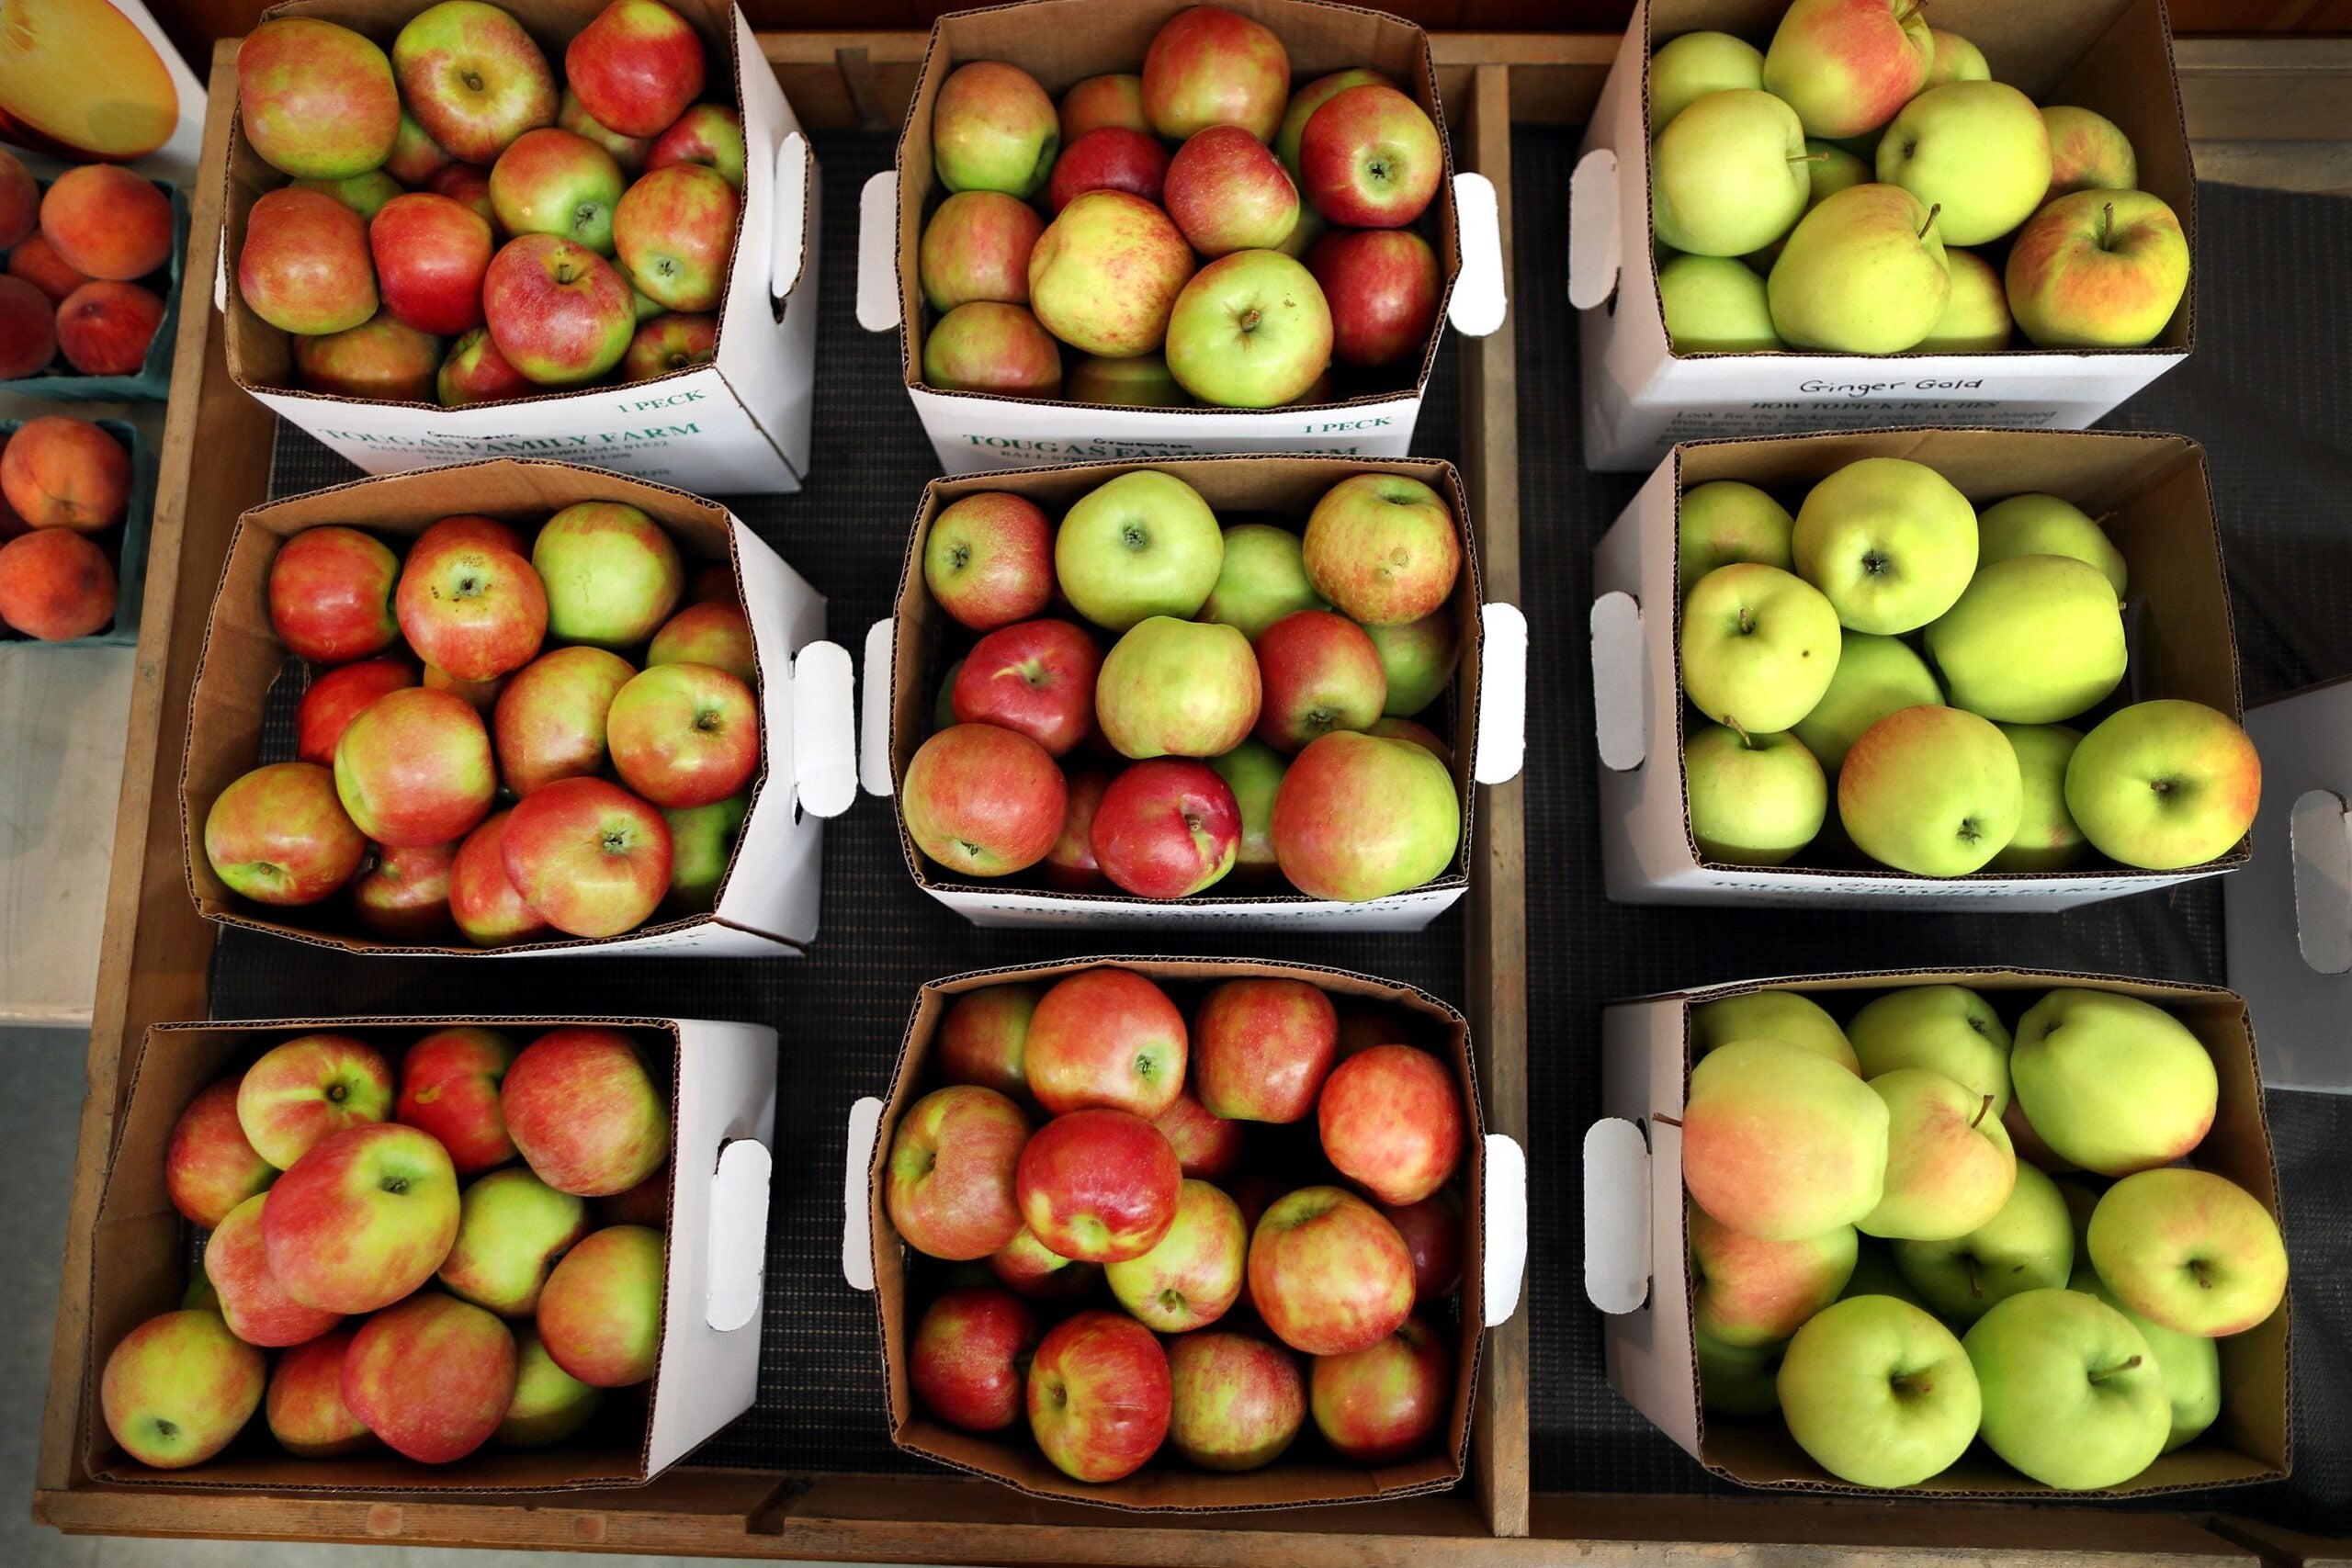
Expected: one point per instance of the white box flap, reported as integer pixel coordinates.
(824, 728)
(877, 253)
(2319, 834)
(795, 169)
(1481, 293)
(1619, 681)
(1505, 1224)
(1503, 695)
(739, 1235)
(1616, 1215)
(873, 728)
(857, 1223)
(1593, 239)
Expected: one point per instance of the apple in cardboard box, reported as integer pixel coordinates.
(950, 1182)
(588, 1116)
(450, 1085)
(363, 1219)
(280, 835)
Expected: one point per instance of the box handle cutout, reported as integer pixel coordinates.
(857, 1223)
(1481, 296)
(739, 1235)
(878, 253)
(825, 735)
(1620, 674)
(2319, 831)
(1506, 1227)
(1503, 695)
(1593, 240)
(1616, 1215)
(874, 732)
(796, 166)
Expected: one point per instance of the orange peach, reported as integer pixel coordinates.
(61, 472)
(108, 223)
(27, 330)
(19, 201)
(105, 328)
(56, 585)
(37, 262)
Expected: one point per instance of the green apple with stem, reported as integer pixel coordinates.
(1250, 330)
(1933, 791)
(1757, 648)
(1955, 59)
(2033, 640)
(1846, 66)
(1715, 305)
(2046, 838)
(1754, 799)
(1142, 545)
(1736, 1380)
(1946, 1028)
(2071, 1392)
(2088, 151)
(2028, 1246)
(1789, 1017)
(1977, 314)
(1262, 578)
(1418, 658)
(1890, 541)
(1879, 1393)
(1782, 1143)
(1977, 152)
(2111, 1083)
(1684, 70)
(2036, 524)
(2165, 784)
(1748, 1292)
(1861, 273)
(1876, 676)
(1829, 168)
(1724, 520)
(2191, 1363)
(1728, 174)
(2097, 269)
(2190, 1249)
(1949, 1164)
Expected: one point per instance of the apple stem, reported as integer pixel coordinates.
(1663, 1120)
(2123, 1367)
(1931, 219)
(1983, 1107)
(1976, 1284)
(1809, 158)
(1746, 741)
(2106, 223)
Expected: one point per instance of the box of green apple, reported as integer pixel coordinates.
(1951, 1233)
(1934, 666)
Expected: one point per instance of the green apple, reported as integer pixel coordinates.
(2165, 784)
(1262, 578)
(2191, 1363)
(1977, 315)
(2192, 1250)
(2111, 1083)
(1848, 65)
(2046, 838)
(2028, 1246)
(1955, 59)
(1875, 1274)
(2088, 151)
(1746, 1293)
(1861, 273)
(1876, 676)
(2034, 639)
(1144, 544)
(1779, 1142)
(1754, 800)
(1736, 1381)
(2072, 1393)
(1254, 771)
(1759, 647)
(1685, 69)
(1829, 169)
(1725, 521)
(1789, 1017)
(1251, 330)
(1889, 541)
(1933, 791)
(1418, 658)
(1728, 174)
(1171, 688)
(1946, 1028)
(1949, 1164)
(2038, 524)
(1715, 305)
(1975, 153)
(1879, 1393)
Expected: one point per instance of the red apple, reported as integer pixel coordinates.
(1115, 99)
(1209, 66)
(590, 856)
(315, 98)
(258, 1310)
(29, 328)
(209, 1166)
(675, 231)
(1237, 1401)
(62, 472)
(473, 79)
(557, 311)
(56, 585)
(988, 559)
(1386, 1402)
(715, 633)
(628, 152)
(403, 895)
(950, 1182)
(363, 1219)
(475, 611)
(683, 735)
(1028, 1267)
(670, 341)
(1105, 1037)
(1036, 677)
(331, 593)
(588, 1115)
(982, 800)
(277, 835)
(179, 1387)
(987, 346)
(431, 253)
(304, 266)
(415, 768)
(449, 1087)
(1208, 1147)
(1099, 1396)
(1070, 863)
(106, 328)
(1432, 1232)
(635, 67)
(1370, 158)
(968, 1357)
(415, 157)
(337, 697)
(976, 246)
(1227, 192)
(1166, 828)
(305, 1089)
(550, 181)
(1194, 1276)
(1359, 817)
(475, 372)
(304, 1407)
(1098, 1185)
(600, 1316)
(708, 134)
(1262, 1049)
(433, 1377)
(1320, 673)
(984, 1038)
(647, 1203)
(469, 185)
(1111, 157)
(1382, 286)
(37, 262)
(1391, 1121)
(108, 223)
(1305, 101)
(1327, 1273)
(381, 359)
(550, 721)
(489, 911)
(479, 695)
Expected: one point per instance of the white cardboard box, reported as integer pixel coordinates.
(722, 1123)
(2178, 619)
(768, 901)
(1640, 397)
(1060, 41)
(1637, 1243)
(738, 425)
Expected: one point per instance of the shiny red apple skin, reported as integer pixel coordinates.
(432, 1376)
(635, 67)
(484, 903)
(548, 722)
(475, 372)
(1208, 1147)
(476, 611)
(1432, 1231)
(1239, 1400)
(1167, 827)
(337, 697)
(1036, 677)
(1327, 1273)
(1115, 98)
(1263, 1048)
(1370, 158)
(1391, 1121)
(988, 559)
(403, 895)
(280, 835)
(684, 735)
(1099, 1396)
(984, 1038)
(330, 594)
(708, 134)
(449, 1087)
(415, 768)
(1105, 1037)
(1227, 192)
(675, 231)
(1320, 673)
(383, 359)
(591, 858)
(1210, 66)
(304, 266)
(982, 800)
(430, 253)
(968, 1357)
(1111, 157)
(1032, 1271)
(1097, 1186)
(1071, 864)
(1386, 1402)
(1382, 286)
(951, 1182)
(559, 313)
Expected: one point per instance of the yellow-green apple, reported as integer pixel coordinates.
(475, 372)
(1724, 521)
(1753, 799)
(338, 696)
(1876, 1274)
(1974, 153)
(304, 1405)
(2073, 1395)
(976, 246)
(1209, 66)
(106, 223)
(415, 157)
(1863, 273)
(1759, 647)
(1328, 1273)
(2191, 1363)
(1070, 863)
(983, 800)
(415, 768)
(1417, 661)
(1250, 330)
(102, 328)
(1875, 676)
(969, 1357)
(382, 357)
(1144, 382)
(1208, 1147)
(1191, 1276)
(364, 194)
(2110, 1083)
(992, 127)
(949, 1185)
(279, 836)
(1715, 305)
(1262, 577)
(684, 735)
(1369, 157)
(1029, 1269)
(1788, 1017)
(1729, 176)
(1949, 1163)
(600, 1313)
(257, 1307)
(473, 78)
(1433, 1231)
(549, 721)
(2098, 269)
(431, 254)
(628, 152)
(1359, 817)
(1382, 288)
(2190, 1250)
(433, 1377)
(1320, 673)
(1037, 677)
(2046, 838)
(177, 1388)
(1976, 312)
(675, 230)
(363, 1219)
(701, 842)
(1846, 66)
(316, 99)
(1954, 59)
(2061, 609)
(304, 1089)
(1877, 1392)
(1111, 157)
(1780, 1142)
(636, 66)
(708, 134)
(1946, 1028)
(488, 910)
(449, 1087)
(1387, 1401)
(1254, 771)
(2027, 1245)
(512, 1228)
(1890, 542)
(550, 1403)
(1106, 274)
(589, 1117)
(988, 559)
(469, 184)
(2164, 784)
(2088, 151)
(1263, 1048)
(1167, 827)
(1112, 100)
(1144, 544)
(1735, 1382)
(714, 632)
(209, 1166)
(1933, 791)
(2040, 524)
(1099, 1396)
(551, 181)
(987, 346)
(1106, 1037)
(1227, 192)
(304, 266)
(612, 575)
(1685, 69)
(1383, 548)
(1175, 688)
(1390, 1121)
(1235, 1401)
(1307, 99)
(557, 311)
(1097, 1185)
(475, 610)
(1748, 1291)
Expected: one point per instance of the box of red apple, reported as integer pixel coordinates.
(1830, 214)
(1998, 1232)
(1931, 666)
(507, 1254)
(1165, 1234)
(542, 710)
(547, 228)
(1240, 690)
(1141, 229)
